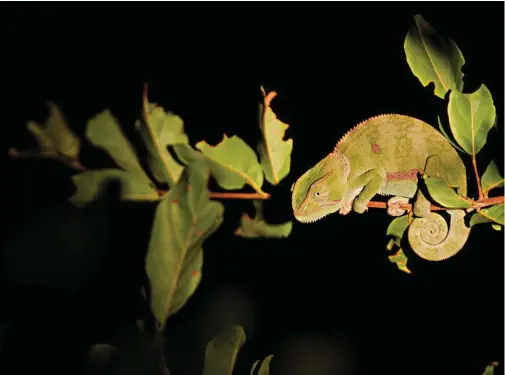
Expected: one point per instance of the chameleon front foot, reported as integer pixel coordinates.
(394, 204)
(345, 209)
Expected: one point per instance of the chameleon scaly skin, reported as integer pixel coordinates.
(383, 155)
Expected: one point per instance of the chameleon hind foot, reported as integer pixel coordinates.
(394, 204)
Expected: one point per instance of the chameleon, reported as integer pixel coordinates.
(386, 155)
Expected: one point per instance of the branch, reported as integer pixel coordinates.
(77, 166)
(30, 154)
(484, 202)
(225, 195)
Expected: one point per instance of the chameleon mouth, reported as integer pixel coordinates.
(310, 219)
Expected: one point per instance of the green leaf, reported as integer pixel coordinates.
(396, 229)
(265, 365)
(188, 154)
(444, 195)
(400, 259)
(233, 163)
(92, 185)
(274, 151)
(491, 178)
(184, 219)
(258, 227)
(433, 58)
(56, 136)
(104, 131)
(490, 368)
(158, 130)
(221, 352)
(493, 214)
(447, 136)
(255, 364)
(471, 116)
(496, 227)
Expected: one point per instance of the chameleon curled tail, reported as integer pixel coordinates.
(431, 239)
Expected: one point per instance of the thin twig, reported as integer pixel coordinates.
(30, 154)
(76, 165)
(477, 178)
(484, 202)
(226, 195)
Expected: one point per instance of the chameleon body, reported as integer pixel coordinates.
(385, 155)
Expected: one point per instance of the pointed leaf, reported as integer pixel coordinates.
(255, 364)
(265, 365)
(158, 130)
(221, 352)
(496, 227)
(493, 214)
(233, 163)
(490, 368)
(44, 142)
(442, 130)
(274, 151)
(444, 195)
(433, 58)
(104, 131)
(400, 259)
(471, 116)
(92, 185)
(491, 178)
(182, 222)
(397, 228)
(56, 135)
(258, 227)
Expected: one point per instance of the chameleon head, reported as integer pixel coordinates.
(319, 191)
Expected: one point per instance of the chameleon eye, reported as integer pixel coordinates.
(320, 196)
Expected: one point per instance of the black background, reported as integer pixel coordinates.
(71, 276)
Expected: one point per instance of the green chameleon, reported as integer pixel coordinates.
(384, 155)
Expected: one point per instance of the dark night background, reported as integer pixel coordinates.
(70, 277)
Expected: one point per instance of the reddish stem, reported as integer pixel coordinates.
(477, 178)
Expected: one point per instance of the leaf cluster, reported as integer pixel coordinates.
(435, 59)
(175, 177)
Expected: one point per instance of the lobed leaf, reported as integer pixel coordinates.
(104, 131)
(257, 227)
(471, 117)
(274, 151)
(92, 185)
(158, 130)
(233, 163)
(444, 195)
(433, 58)
(184, 219)
(55, 136)
(493, 214)
(221, 352)
(491, 179)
